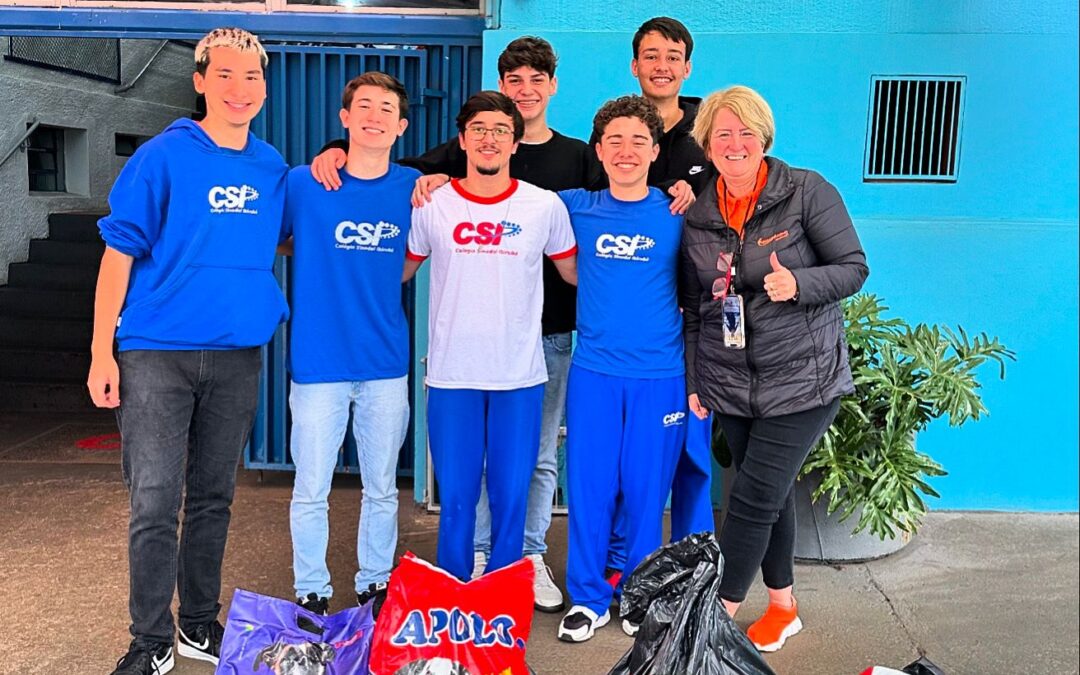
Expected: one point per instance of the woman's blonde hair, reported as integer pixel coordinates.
(748, 106)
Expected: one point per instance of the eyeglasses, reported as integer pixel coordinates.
(500, 134)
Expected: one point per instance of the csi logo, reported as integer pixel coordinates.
(364, 234)
(622, 245)
(231, 197)
(485, 234)
(672, 419)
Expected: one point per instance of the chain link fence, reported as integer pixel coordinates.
(95, 58)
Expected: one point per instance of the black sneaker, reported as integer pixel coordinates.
(316, 604)
(376, 593)
(145, 660)
(202, 642)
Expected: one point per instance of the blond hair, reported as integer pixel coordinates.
(746, 104)
(232, 38)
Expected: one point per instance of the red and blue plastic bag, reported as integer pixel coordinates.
(271, 636)
(432, 622)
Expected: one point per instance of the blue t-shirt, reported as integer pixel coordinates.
(628, 314)
(348, 323)
(202, 223)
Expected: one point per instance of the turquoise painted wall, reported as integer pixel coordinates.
(995, 252)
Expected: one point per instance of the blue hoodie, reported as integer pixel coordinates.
(202, 223)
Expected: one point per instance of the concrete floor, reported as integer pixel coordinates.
(979, 593)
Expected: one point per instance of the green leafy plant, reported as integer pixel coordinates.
(905, 377)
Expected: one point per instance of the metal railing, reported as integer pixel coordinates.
(21, 143)
(124, 87)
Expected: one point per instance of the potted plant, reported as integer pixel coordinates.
(866, 467)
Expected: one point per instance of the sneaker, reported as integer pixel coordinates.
(479, 562)
(315, 604)
(145, 660)
(202, 642)
(774, 628)
(546, 595)
(580, 623)
(374, 593)
(629, 628)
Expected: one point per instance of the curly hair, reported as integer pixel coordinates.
(629, 106)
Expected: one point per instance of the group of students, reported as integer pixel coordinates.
(187, 296)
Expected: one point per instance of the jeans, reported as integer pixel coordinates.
(759, 531)
(545, 477)
(320, 412)
(184, 421)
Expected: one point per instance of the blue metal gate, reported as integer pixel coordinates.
(300, 116)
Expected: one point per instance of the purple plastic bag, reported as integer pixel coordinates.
(278, 637)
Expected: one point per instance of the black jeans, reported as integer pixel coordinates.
(185, 417)
(759, 529)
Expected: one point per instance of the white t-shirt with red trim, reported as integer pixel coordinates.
(487, 289)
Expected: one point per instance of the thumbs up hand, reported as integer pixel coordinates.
(780, 284)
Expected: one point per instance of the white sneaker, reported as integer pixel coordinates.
(479, 562)
(580, 623)
(630, 629)
(546, 595)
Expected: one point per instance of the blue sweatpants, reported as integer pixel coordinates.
(623, 440)
(467, 427)
(691, 492)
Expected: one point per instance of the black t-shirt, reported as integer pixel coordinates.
(560, 163)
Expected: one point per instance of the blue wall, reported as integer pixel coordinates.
(994, 252)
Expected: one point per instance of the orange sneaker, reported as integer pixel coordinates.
(774, 628)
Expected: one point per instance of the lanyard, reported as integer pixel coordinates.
(735, 259)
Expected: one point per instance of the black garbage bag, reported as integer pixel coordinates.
(674, 595)
(923, 667)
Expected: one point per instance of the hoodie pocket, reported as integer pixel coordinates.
(209, 307)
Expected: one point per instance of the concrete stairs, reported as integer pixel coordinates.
(46, 319)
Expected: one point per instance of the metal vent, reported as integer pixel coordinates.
(913, 133)
(96, 58)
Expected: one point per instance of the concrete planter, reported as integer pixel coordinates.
(822, 538)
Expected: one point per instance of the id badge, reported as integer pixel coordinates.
(734, 329)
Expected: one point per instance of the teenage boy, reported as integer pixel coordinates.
(349, 346)
(187, 294)
(486, 235)
(626, 405)
(662, 47)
